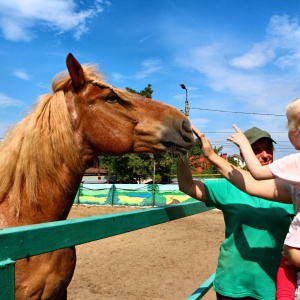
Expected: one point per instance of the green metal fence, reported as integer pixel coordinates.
(25, 241)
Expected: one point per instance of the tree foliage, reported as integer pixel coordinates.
(235, 162)
(198, 161)
(131, 168)
(146, 92)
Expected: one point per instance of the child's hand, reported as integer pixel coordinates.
(206, 147)
(238, 138)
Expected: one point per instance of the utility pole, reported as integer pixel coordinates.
(186, 107)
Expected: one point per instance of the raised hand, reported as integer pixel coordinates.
(238, 137)
(206, 146)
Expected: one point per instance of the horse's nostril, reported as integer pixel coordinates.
(186, 126)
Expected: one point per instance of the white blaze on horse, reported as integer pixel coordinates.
(44, 157)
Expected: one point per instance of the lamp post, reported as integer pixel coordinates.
(186, 108)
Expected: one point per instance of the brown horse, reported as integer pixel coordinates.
(43, 159)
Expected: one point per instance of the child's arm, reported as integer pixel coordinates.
(272, 189)
(256, 169)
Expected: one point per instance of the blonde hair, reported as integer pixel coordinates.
(293, 115)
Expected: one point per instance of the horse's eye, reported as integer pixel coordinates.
(112, 98)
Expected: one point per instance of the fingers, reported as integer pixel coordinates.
(233, 138)
(236, 128)
(202, 138)
(195, 130)
(238, 137)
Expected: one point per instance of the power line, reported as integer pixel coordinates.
(231, 132)
(239, 112)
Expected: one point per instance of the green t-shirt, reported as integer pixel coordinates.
(255, 230)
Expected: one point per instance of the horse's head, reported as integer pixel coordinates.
(107, 120)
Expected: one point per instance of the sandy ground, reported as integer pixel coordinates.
(166, 261)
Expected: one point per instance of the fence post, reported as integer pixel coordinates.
(153, 195)
(113, 190)
(76, 200)
(7, 279)
(111, 195)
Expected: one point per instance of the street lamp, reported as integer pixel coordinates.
(186, 109)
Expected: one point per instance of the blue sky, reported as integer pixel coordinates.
(239, 60)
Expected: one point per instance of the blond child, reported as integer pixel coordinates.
(287, 169)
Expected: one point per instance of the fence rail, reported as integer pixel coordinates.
(25, 241)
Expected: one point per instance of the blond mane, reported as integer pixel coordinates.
(39, 146)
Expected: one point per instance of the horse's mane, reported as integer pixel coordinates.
(42, 144)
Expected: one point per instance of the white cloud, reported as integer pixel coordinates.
(149, 67)
(118, 77)
(281, 46)
(200, 122)
(142, 40)
(22, 75)
(18, 17)
(284, 28)
(258, 56)
(6, 101)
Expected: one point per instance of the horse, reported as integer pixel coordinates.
(44, 156)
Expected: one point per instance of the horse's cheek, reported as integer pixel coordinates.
(101, 138)
(115, 144)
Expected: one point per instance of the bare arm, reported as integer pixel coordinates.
(256, 169)
(193, 188)
(272, 189)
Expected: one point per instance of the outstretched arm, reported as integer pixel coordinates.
(193, 188)
(256, 169)
(272, 189)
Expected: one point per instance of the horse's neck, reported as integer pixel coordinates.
(53, 204)
(61, 201)
(58, 203)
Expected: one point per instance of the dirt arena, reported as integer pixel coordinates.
(166, 261)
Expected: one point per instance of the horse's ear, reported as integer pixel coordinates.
(76, 73)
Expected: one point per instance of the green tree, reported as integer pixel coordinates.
(235, 162)
(146, 92)
(197, 149)
(129, 168)
(132, 168)
(197, 159)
